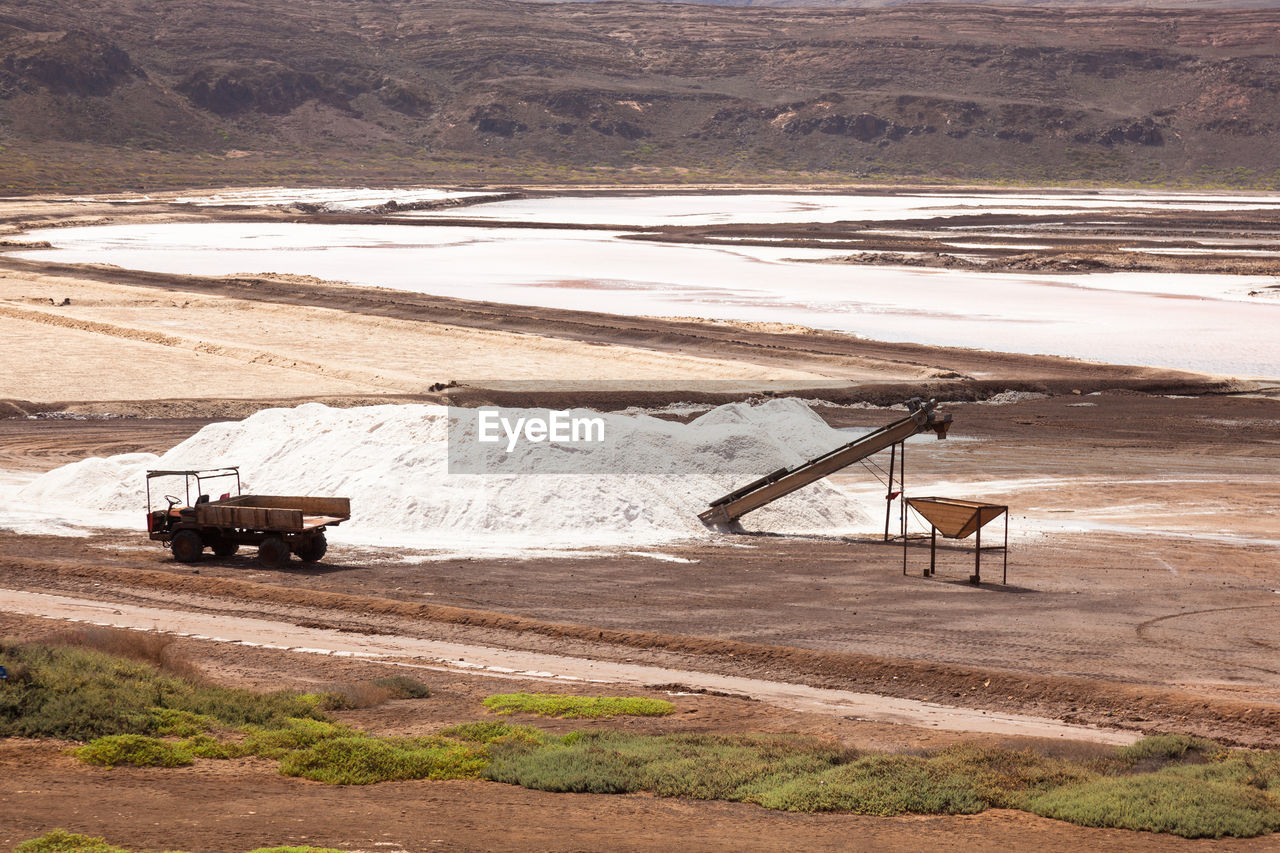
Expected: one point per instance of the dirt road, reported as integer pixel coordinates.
(533, 665)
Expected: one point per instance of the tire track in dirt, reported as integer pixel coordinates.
(1144, 633)
(46, 443)
(239, 354)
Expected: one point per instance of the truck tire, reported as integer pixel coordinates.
(187, 546)
(273, 552)
(313, 549)
(224, 547)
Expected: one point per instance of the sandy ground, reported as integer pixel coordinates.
(1142, 589)
(127, 343)
(145, 337)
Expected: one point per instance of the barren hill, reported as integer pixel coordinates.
(280, 89)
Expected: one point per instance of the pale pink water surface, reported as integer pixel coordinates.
(1204, 323)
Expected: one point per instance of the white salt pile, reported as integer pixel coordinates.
(1004, 398)
(654, 478)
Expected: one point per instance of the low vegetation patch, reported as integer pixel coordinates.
(586, 707)
(878, 785)
(288, 736)
(726, 767)
(1163, 802)
(134, 750)
(1196, 790)
(78, 693)
(493, 731)
(370, 694)
(361, 760)
(1159, 750)
(61, 841)
(132, 713)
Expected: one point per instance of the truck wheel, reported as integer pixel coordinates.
(187, 546)
(313, 548)
(225, 547)
(273, 552)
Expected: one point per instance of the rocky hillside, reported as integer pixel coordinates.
(954, 92)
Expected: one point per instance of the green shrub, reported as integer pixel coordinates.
(590, 707)
(1003, 778)
(206, 746)
(236, 708)
(135, 750)
(365, 760)
(61, 841)
(685, 765)
(1259, 770)
(878, 785)
(76, 694)
(290, 735)
(171, 722)
(582, 765)
(1162, 749)
(80, 694)
(493, 731)
(1163, 802)
(731, 767)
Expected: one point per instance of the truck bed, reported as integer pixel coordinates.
(279, 513)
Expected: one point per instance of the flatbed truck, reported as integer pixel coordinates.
(277, 525)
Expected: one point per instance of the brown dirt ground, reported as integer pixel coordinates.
(1142, 589)
(1109, 627)
(242, 804)
(236, 805)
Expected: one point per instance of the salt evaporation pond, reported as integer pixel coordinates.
(392, 461)
(1202, 323)
(790, 208)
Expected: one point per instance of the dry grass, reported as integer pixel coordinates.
(371, 694)
(362, 694)
(144, 646)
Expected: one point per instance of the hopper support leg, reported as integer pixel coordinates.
(1005, 579)
(976, 578)
(933, 551)
(888, 495)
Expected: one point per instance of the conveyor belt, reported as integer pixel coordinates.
(728, 508)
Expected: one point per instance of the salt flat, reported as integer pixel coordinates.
(1181, 321)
